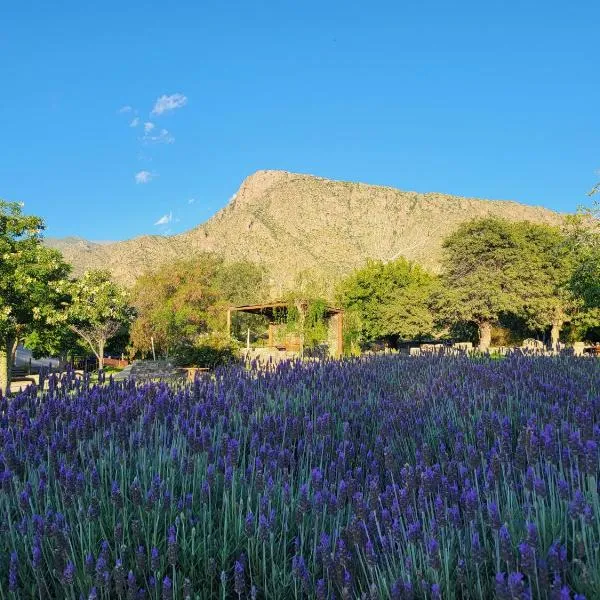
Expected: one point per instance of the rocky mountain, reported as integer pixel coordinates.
(292, 223)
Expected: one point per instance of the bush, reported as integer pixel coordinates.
(208, 351)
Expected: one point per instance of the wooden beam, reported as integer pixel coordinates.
(340, 334)
(229, 322)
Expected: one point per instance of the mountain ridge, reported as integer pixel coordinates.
(292, 222)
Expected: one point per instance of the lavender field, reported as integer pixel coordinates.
(381, 477)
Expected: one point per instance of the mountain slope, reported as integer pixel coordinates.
(290, 223)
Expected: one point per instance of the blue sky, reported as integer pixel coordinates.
(488, 99)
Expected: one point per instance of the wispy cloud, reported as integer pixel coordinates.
(162, 137)
(134, 122)
(165, 219)
(166, 103)
(125, 109)
(191, 200)
(144, 177)
(148, 126)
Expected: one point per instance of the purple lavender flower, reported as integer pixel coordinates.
(516, 585)
(577, 505)
(433, 554)
(116, 496)
(119, 577)
(506, 548)
(502, 592)
(135, 492)
(527, 557)
(89, 564)
(172, 547)
(36, 557)
(494, 515)
(154, 559)
(532, 534)
(238, 578)
(131, 586)
(12, 572)
(477, 552)
(167, 589)
(249, 524)
(69, 574)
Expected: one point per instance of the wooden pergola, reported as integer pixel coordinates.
(280, 308)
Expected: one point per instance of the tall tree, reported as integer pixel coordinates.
(33, 282)
(99, 309)
(482, 262)
(390, 299)
(180, 301)
(547, 264)
(585, 235)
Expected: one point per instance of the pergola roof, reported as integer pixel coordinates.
(268, 309)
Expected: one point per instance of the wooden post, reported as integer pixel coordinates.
(340, 334)
(228, 322)
(271, 328)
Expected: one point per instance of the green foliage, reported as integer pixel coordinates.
(584, 234)
(98, 310)
(33, 281)
(315, 323)
(183, 300)
(548, 263)
(481, 272)
(208, 351)
(306, 318)
(56, 341)
(496, 269)
(387, 300)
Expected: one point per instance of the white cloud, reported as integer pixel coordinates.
(148, 127)
(135, 122)
(144, 177)
(191, 200)
(125, 109)
(165, 219)
(166, 103)
(162, 137)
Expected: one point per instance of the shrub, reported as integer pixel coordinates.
(209, 351)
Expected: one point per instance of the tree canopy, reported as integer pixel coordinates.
(33, 282)
(586, 234)
(482, 279)
(494, 267)
(389, 300)
(547, 264)
(98, 309)
(181, 301)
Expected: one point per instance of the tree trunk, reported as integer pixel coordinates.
(7, 352)
(100, 354)
(555, 334)
(485, 335)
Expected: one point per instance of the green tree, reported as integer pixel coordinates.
(481, 278)
(98, 310)
(33, 282)
(547, 264)
(181, 301)
(585, 235)
(390, 300)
